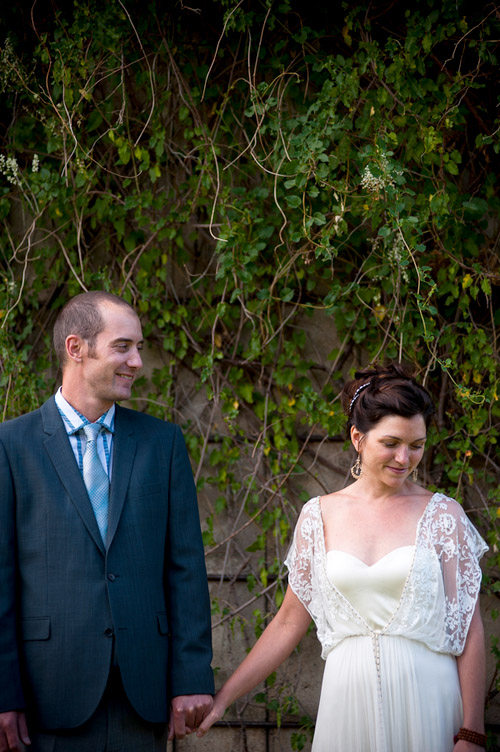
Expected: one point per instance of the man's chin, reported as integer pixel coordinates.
(123, 394)
(119, 394)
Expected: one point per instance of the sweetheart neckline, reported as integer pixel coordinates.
(369, 566)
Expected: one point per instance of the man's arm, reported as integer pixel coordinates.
(191, 677)
(11, 694)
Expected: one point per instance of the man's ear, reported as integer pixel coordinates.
(74, 347)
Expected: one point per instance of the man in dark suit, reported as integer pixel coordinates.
(104, 608)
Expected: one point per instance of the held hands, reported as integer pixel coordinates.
(186, 714)
(13, 731)
(214, 715)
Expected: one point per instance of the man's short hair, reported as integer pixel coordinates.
(82, 316)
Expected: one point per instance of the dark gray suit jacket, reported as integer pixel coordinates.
(63, 596)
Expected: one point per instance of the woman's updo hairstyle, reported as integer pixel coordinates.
(384, 390)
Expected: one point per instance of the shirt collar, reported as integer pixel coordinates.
(74, 420)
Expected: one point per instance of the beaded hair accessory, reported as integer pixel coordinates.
(356, 394)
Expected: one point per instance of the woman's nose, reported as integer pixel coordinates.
(402, 455)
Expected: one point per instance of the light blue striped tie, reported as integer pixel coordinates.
(95, 478)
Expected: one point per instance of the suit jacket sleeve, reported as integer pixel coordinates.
(186, 584)
(11, 694)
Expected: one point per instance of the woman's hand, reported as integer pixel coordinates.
(217, 712)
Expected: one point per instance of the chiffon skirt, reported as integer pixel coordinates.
(397, 696)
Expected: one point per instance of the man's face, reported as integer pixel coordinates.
(110, 367)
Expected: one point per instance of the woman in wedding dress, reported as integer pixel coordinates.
(389, 573)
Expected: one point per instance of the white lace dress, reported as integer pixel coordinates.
(390, 632)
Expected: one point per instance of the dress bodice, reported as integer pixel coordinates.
(438, 597)
(373, 591)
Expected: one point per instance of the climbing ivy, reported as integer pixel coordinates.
(237, 170)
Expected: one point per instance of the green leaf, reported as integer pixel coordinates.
(294, 201)
(286, 294)
(486, 286)
(477, 205)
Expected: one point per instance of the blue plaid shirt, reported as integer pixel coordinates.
(74, 422)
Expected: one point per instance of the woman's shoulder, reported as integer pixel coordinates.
(308, 527)
(447, 516)
(449, 521)
(310, 520)
(440, 503)
(311, 508)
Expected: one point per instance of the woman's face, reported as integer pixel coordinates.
(392, 449)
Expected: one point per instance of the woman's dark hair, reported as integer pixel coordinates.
(384, 390)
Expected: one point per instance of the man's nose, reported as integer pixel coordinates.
(135, 360)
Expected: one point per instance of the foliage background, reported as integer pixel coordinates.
(239, 170)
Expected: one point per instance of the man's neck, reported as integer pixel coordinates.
(92, 410)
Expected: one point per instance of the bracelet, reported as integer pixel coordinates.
(471, 736)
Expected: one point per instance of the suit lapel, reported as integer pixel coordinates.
(124, 449)
(61, 455)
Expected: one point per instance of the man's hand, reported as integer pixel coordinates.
(13, 731)
(186, 714)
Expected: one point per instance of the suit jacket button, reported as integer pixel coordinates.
(111, 577)
(109, 632)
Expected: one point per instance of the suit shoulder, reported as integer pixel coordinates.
(20, 424)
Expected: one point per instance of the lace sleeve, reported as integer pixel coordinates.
(300, 558)
(459, 547)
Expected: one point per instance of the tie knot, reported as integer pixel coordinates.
(92, 431)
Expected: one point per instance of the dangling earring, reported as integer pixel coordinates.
(356, 469)
(414, 475)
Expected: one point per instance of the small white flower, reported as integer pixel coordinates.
(375, 184)
(35, 165)
(396, 254)
(9, 168)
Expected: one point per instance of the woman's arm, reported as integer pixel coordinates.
(275, 644)
(472, 676)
